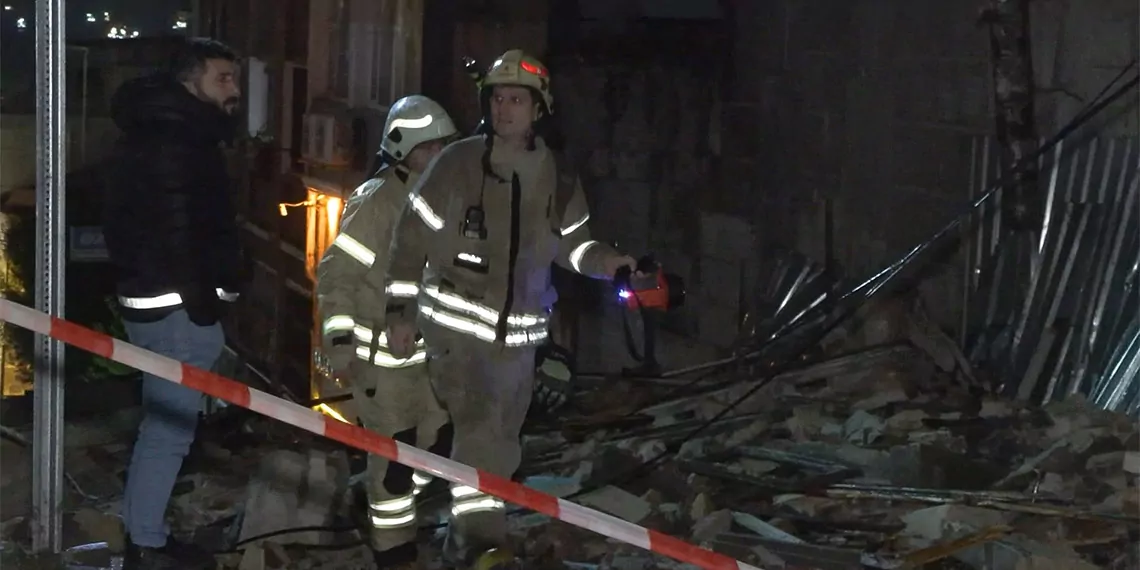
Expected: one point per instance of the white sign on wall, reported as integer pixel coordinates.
(257, 96)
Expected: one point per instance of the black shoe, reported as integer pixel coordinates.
(173, 556)
(404, 556)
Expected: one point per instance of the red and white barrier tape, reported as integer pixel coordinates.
(320, 424)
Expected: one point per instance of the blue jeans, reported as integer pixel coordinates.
(170, 416)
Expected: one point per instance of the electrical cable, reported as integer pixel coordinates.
(318, 528)
(874, 284)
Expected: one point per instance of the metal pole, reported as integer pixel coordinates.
(51, 228)
(83, 111)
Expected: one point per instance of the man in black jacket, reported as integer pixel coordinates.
(171, 233)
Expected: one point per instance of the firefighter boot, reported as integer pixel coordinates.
(496, 559)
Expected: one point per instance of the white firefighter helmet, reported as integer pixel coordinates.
(413, 120)
(515, 67)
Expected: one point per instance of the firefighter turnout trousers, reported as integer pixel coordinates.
(399, 404)
(486, 389)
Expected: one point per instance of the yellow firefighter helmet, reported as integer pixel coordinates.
(517, 68)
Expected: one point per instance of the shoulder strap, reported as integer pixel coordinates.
(566, 178)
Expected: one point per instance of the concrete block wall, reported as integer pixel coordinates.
(859, 103)
(1078, 48)
(868, 104)
(644, 160)
(728, 266)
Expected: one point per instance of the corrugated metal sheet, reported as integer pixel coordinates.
(1057, 312)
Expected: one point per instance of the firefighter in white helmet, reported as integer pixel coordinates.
(470, 270)
(391, 393)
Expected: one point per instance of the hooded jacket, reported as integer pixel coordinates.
(350, 277)
(489, 277)
(168, 222)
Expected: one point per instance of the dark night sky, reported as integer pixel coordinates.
(17, 45)
(151, 17)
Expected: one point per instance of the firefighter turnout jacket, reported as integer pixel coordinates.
(473, 253)
(350, 277)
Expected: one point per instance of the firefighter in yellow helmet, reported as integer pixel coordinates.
(470, 271)
(391, 393)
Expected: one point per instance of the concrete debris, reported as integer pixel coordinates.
(944, 521)
(762, 528)
(97, 526)
(293, 490)
(884, 467)
(712, 526)
(619, 503)
(701, 507)
(226, 491)
(874, 458)
(862, 428)
(1131, 461)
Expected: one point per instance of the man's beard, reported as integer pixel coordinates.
(228, 106)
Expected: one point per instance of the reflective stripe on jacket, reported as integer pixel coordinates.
(168, 300)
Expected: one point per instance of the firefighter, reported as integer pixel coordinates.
(488, 217)
(391, 394)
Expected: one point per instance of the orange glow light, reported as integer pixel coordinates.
(532, 68)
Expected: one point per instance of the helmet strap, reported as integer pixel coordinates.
(381, 162)
(402, 172)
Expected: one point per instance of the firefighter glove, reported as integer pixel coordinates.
(554, 376)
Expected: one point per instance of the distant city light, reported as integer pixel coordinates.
(181, 21)
(90, 17)
(106, 16)
(122, 32)
(21, 23)
(7, 7)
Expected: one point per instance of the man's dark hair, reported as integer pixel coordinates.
(191, 55)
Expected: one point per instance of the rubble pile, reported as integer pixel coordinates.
(855, 461)
(880, 448)
(207, 507)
